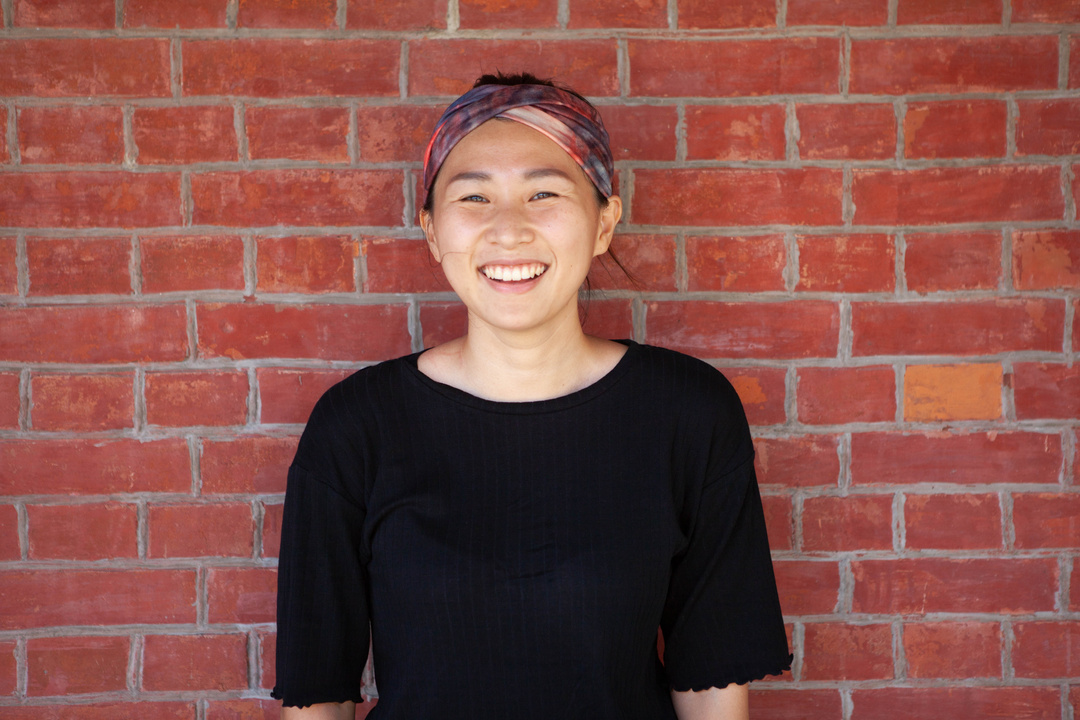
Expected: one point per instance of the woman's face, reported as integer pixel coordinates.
(515, 224)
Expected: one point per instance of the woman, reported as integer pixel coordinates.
(515, 512)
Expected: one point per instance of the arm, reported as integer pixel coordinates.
(322, 711)
(729, 703)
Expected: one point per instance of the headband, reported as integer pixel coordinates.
(573, 124)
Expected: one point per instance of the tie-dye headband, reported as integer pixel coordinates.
(572, 123)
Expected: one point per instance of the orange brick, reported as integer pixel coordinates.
(952, 392)
(762, 392)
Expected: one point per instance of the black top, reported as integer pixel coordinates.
(514, 559)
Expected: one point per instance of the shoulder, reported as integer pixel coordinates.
(686, 377)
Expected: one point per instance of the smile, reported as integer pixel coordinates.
(513, 273)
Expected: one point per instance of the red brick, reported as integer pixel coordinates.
(807, 587)
(1076, 324)
(175, 14)
(858, 131)
(5, 157)
(648, 261)
(1048, 127)
(243, 710)
(82, 532)
(707, 14)
(89, 199)
(442, 322)
(641, 132)
(948, 12)
(10, 400)
(735, 132)
(855, 522)
(290, 67)
(778, 521)
(298, 133)
(189, 134)
(196, 398)
(242, 595)
(141, 710)
(974, 459)
(1046, 649)
(485, 14)
(671, 68)
(807, 461)
(953, 64)
(835, 651)
(268, 655)
(84, 67)
(1046, 259)
(271, 536)
(612, 319)
(396, 14)
(795, 704)
(94, 334)
(619, 14)
(298, 197)
(952, 261)
(224, 530)
(448, 67)
(98, 14)
(762, 392)
(1047, 520)
(246, 465)
(327, 332)
(1018, 703)
(178, 264)
(1045, 11)
(794, 329)
(999, 193)
(1042, 390)
(941, 393)
(828, 396)
(952, 649)
(9, 547)
(306, 264)
(838, 12)
(690, 196)
(287, 396)
(47, 598)
(396, 265)
(83, 402)
(958, 327)
(319, 14)
(953, 522)
(73, 134)
(74, 665)
(1074, 63)
(846, 263)
(395, 133)
(195, 662)
(9, 271)
(930, 585)
(79, 266)
(1074, 585)
(8, 669)
(961, 128)
(92, 467)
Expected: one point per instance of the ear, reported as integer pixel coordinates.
(609, 218)
(427, 224)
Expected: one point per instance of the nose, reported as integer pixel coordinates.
(510, 225)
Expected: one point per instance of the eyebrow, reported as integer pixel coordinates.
(535, 174)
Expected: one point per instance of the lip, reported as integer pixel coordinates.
(500, 275)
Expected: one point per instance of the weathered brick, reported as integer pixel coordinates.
(68, 401)
(298, 133)
(8, 668)
(92, 467)
(142, 710)
(187, 134)
(846, 263)
(810, 460)
(936, 262)
(10, 400)
(952, 649)
(854, 522)
(395, 133)
(94, 334)
(796, 705)
(1044, 390)
(178, 264)
(9, 550)
(306, 264)
(76, 665)
(448, 67)
(327, 332)
(175, 14)
(291, 67)
(919, 703)
(46, 598)
(673, 68)
(735, 132)
(442, 322)
(970, 391)
(1046, 649)
(195, 662)
(250, 464)
(836, 651)
(71, 134)
(953, 522)
(319, 14)
(271, 536)
(641, 132)
(837, 12)
(287, 396)
(974, 459)
(736, 264)
(619, 14)
(207, 530)
(84, 67)
(1046, 259)
(959, 327)
(949, 12)
(704, 14)
(9, 270)
(1048, 127)
(762, 392)
(487, 14)
(298, 197)
(835, 395)
(82, 532)
(1045, 11)
(98, 14)
(686, 196)
(1046, 520)
(858, 131)
(959, 128)
(79, 266)
(396, 265)
(242, 595)
(396, 14)
(89, 199)
(196, 398)
(953, 64)
(778, 521)
(612, 319)
(648, 264)
(807, 587)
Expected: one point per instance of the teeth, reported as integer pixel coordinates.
(512, 273)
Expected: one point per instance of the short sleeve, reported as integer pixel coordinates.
(722, 622)
(322, 604)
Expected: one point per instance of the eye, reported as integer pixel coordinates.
(543, 194)
(473, 198)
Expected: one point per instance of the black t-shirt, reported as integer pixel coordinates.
(514, 559)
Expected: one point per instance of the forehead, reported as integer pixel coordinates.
(505, 143)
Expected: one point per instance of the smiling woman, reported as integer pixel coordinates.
(514, 513)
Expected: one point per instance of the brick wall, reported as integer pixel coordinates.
(863, 211)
